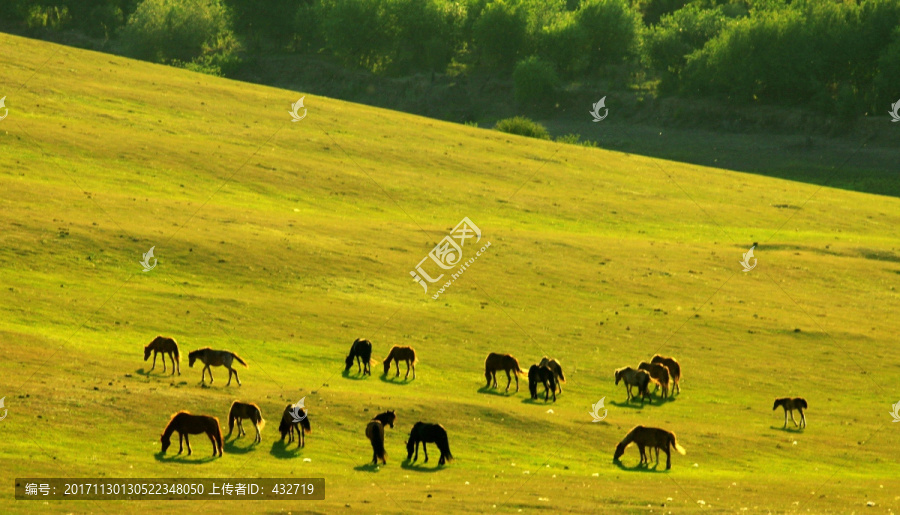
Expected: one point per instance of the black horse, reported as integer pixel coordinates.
(544, 375)
(434, 433)
(362, 351)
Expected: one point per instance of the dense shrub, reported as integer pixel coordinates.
(887, 80)
(354, 30)
(565, 43)
(523, 127)
(534, 81)
(424, 34)
(178, 30)
(498, 34)
(612, 29)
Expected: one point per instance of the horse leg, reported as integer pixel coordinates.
(241, 431)
(212, 439)
(668, 457)
(180, 444)
(154, 361)
(785, 419)
(802, 418)
(517, 382)
(229, 377)
(407, 370)
(641, 451)
(258, 437)
(163, 361)
(176, 364)
(397, 362)
(188, 442)
(509, 380)
(172, 357)
(793, 420)
(425, 448)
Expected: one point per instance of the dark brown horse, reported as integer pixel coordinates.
(187, 424)
(399, 354)
(163, 345)
(651, 437)
(505, 362)
(425, 433)
(362, 351)
(791, 404)
(289, 424)
(216, 358)
(375, 434)
(241, 410)
(541, 374)
(556, 368)
(387, 418)
(674, 370)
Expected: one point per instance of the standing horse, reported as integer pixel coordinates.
(387, 418)
(674, 370)
(375, 434)
(556, 368)
(659, 374)
(505, 362)
(216, 358)
(789, 404)
(544, 375)
(632, 377)
(399, 354)
(239, 411)
(187, 424)
(289, 423)
(362, 351)
(651, 437)
(163, 345)
(434, 433)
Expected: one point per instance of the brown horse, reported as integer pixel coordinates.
(399, 354)
(632, 377)
(541, 374)
(239, 411)
(187, 424)
(375, 434)
(362, 351)
(289, 424)
(674, 370)
(789, 404)
(387, 418)
(651, 437)
(163, 345)
(434, 433)
(554, 365)
(216, 358)
(659, 374)
(505, 362)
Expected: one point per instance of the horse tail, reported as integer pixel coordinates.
(218, 435)
(674, 444)
(377, 439)
(305, 424)
(261, 422)
(561, 376)
(177, 354)
(242, 362)
(444, 446)
(516, 363)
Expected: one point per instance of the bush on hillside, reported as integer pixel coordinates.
(612, 27)
(498, 35)
(534, 81)
(523, 127)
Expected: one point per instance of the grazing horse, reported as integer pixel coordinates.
(362, 351)
(505, 362)
(163, 345)
(187, 424)
(674, 370)
(789, 404)
(375, 434)
(556, 368)
(632, 377)
(289, 424)
(434, 433)
(399, 354)
(239, 411)
(651, 437)
(216, 358)
(659, 374)
(544, 375)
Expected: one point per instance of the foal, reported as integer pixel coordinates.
(289, 424)
(659, 373)
(632, 377)
(674, 370)
(544, 375)
(789, 404)
(163, 345)
(362, 351)
(239, 411)
(216, 358)
(556, 368)
(399, 354)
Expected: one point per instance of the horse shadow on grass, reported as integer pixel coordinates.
(640, 467)
(629, 404)
(420, 466)
(182, 459)
(539, 401)
(284, 451)
(231, 448)
(368, 467)
(789, 429)
(356, 376)
(392, 379)
(496, 391)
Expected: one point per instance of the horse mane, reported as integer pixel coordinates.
(169, 429)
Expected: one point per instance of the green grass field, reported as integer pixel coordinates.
(286, 241)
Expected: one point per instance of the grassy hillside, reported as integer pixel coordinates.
(285, 241)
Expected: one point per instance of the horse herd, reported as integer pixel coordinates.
(663, 371)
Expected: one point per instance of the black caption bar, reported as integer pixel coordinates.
(178, 489)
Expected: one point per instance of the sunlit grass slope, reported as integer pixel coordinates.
(286, 241)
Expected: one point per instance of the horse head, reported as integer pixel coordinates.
(192, 357)
(620, 450)
(147, 351)
(165, 442)
(348, 362)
